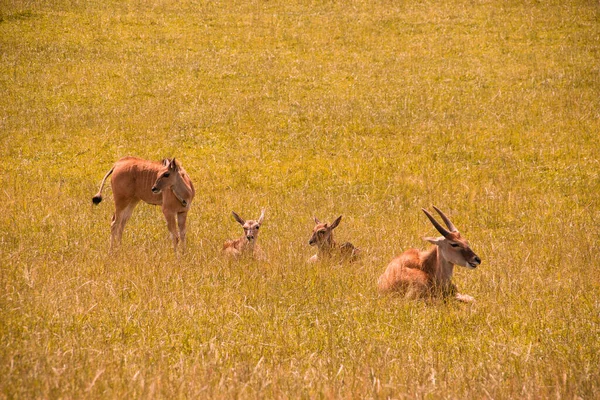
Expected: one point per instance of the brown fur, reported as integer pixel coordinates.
(164, 184)
(327, 247)
(426, 274)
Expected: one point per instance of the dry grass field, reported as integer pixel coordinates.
(366, 109)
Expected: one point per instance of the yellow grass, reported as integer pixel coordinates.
(366, 109)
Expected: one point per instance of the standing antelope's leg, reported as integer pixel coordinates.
(181, 220)
(170, 216)
(113, 231)
(120, 217)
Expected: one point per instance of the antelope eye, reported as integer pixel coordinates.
(166, 174)
(258, 226)
(454, 244)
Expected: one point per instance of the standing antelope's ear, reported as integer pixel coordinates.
(173, 166)
(238, 218)
(316, 220)
(336, 222)
(262, 217)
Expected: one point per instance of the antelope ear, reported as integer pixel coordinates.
(316, 220)
(336, 222)
(238, 218)
(173, 165)
(437, 241)
(262, 217)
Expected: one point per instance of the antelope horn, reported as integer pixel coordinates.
(449, 224)
(440, 228)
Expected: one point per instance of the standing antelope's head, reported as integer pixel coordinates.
(452, 246)
(251, 227)
(167, 175)
(322, 233)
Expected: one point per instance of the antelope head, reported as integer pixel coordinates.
(167, 176)
(452, 246)
(322, 232)
(250, 227)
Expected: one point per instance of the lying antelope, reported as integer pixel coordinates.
(422, 274)
(322, 237)
(246, 245)
(163, 184)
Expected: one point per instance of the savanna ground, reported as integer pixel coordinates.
(366, 109)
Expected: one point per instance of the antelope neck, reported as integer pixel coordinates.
(437, 266)
(176, 189)
(327, 246)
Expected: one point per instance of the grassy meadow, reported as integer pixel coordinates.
(366, 109)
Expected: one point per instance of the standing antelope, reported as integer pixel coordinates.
(246, 245)
(322, 237)
(163, 184)
(420, 274)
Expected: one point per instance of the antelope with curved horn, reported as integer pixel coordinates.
(246, 245)
(422, 274)
(164, 184)
(322, 237)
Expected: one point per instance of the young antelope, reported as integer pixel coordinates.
(246, 245)
(322, 237)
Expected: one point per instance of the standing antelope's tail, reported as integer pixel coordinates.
(98, 197)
